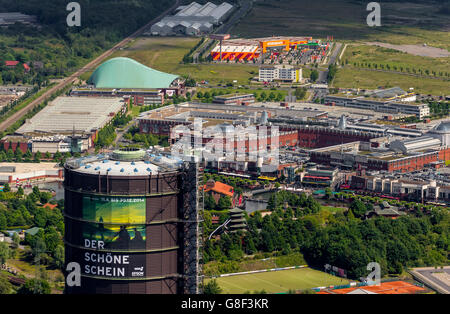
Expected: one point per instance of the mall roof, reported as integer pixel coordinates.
(67, 114)
(128, 73)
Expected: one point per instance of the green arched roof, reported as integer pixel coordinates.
(128, 73)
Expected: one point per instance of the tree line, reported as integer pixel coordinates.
(345, 240)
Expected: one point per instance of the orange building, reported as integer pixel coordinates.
(218, 189)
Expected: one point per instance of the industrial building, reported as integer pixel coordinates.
(419, 110)
(284, 73)
(193, 19)
(393, 94)
(132, 223)
(235, 99)
(44, 144)
(140, 97)
(401, 155)
(17, 173)
(83, 116)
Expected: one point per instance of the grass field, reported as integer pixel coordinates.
(278, 281)
(378, 55)
(333, 209)
(165, 54)
(349, 77)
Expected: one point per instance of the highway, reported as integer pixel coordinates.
(93, 64)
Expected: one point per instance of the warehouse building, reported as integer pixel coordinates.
(419, 110)
(83, 116)
(193, 19)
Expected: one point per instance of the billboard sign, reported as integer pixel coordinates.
(113, 224)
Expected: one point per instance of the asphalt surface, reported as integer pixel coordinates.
(324, 74)
(428, 274)
(93, 64)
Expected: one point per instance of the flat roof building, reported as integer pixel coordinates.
(13, 172)
(68, 115)
(419, 110)
(193, 19)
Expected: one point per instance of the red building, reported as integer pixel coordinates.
(318, 137)
(15, 142)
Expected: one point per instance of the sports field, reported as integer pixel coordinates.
(278, 281)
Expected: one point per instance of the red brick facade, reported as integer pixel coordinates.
(23, 146)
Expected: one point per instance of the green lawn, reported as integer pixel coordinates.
(363, 54)
(278, 281)
(334, 209)
(349, 77)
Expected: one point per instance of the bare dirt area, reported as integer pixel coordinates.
(417, 50)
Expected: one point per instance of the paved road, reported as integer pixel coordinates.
(425, 275)
(324, 74)
(93, 64)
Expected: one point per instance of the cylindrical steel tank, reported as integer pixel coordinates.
(123, 223)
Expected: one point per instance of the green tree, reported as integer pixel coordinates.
(3, 221)
(18, 155)
(7, 188)
(210, 202)
(328, 193)
(5, 286)
(314, 75)
(15, 240)
(212, 287)
(224, 202)
(59, 256)
(37, 156)
(35, 286)
(4, 252)
(358, 208)
(300, 93)
(20, 191)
